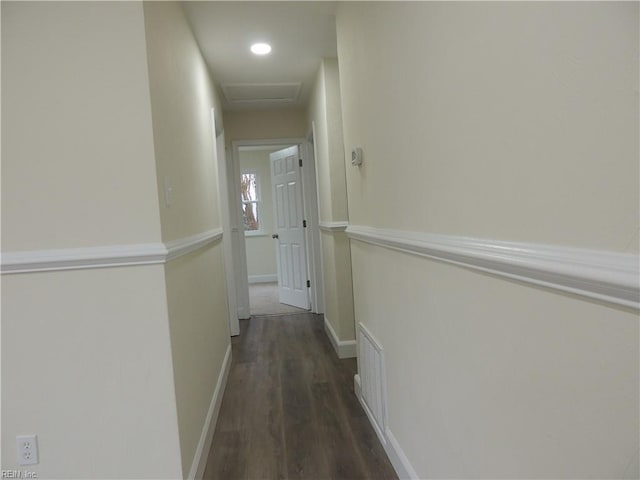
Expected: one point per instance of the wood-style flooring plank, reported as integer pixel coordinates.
(343, 459)
(267, 457)
(228, 456)
(289, 410)
(235, 399)
(305, 454)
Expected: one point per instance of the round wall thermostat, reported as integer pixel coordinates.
(356, 156)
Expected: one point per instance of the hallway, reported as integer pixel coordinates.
(469, 228)
(289, 410)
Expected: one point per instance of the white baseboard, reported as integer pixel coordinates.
(392, 448)
(204, 445)
(243, 313)
(263, 278)
(343, 348)
(398, 459)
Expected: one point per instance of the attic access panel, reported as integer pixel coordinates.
(243, 93)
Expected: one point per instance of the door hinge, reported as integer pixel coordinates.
(308, 283)
(300, 161)
(304, 224)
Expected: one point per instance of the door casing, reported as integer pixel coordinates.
(223, 201)
(312, 234)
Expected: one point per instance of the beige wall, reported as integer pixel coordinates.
(93, 124)
(77, 145)
(492, 125)
(182, 125)
(261, 249)
(196, 299)
(86, 359)
(338, 288)
(264, 124)
(507, 121)
(487, 378)
(94, 375)
(186, 155)
(324, 114)
(317, 118)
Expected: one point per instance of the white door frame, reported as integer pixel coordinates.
(312, 233)
(312, 214)
(238, 247)
(223, 202)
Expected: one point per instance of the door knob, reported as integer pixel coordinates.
(275, 235)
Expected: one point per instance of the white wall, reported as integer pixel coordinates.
(186, 156)
(504, 121)
(261, 249)
(86, 359)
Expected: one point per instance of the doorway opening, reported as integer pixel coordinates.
(279, 268)
(265, 300)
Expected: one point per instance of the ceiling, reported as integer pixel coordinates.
(300, 33)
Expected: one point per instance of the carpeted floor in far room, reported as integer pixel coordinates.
(264, 300)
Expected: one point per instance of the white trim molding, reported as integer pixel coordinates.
(392, 448)
(600, 275)
(83, 258)
(182, 246)
(204, 444)
(104, 256)
(343, 348)
(270, 278)
(333, 226)
(398, 459)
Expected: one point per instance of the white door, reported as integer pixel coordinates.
(287, 200)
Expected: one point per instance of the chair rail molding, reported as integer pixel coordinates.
(104, 256)
(601, 275)
(182, 246)
(333, 226)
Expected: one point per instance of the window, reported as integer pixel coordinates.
(250, 191)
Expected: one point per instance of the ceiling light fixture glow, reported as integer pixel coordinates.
(261, 48)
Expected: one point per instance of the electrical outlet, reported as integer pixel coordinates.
(27, 446)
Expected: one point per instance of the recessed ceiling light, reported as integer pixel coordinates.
(260, 48)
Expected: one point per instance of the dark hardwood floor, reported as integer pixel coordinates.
(289, 410)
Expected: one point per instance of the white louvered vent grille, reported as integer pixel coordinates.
(373, 389)
(241, 93)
